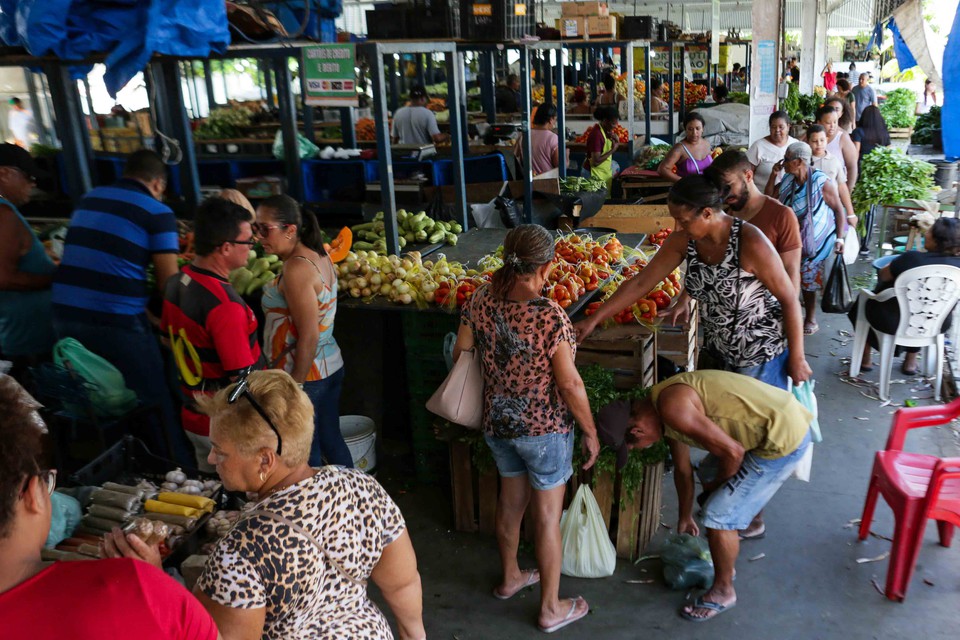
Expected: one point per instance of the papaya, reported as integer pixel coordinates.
(340, 246)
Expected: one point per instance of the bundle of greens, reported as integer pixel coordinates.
(576, 184)
(224, 124)
(888, 176)
(928, 127)
(899, 109)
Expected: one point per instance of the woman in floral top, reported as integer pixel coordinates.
(532, 396)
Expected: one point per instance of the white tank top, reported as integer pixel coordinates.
(833, 148)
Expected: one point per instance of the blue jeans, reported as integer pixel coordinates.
(546, 459)
(135, 351)
(734, 504)
(328, 442)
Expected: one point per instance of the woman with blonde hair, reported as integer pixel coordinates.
(533, 398)
(296, 565)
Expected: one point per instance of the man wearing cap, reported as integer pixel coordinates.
(415, 124)
(26, 271)
(755, 435)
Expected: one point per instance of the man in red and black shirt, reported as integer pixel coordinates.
(213, 333)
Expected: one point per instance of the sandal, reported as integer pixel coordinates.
(810, 329)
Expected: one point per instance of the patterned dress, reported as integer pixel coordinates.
(516, 342)
(742, 321)
(794, 195)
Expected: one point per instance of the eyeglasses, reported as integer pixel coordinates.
(243, 389)
(49, 477)
(263, 229)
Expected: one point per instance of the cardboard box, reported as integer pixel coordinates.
(599, 9)
(569, 9)
(575, 27)
(597, 25)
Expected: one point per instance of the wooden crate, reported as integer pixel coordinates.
(630, 351)
(641, 218)
(631, 521)
(680, 343)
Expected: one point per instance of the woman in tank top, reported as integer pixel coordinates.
(299, 308)
(748, 305)
(690, 157)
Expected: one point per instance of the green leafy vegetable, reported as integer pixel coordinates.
(899, 109)
(888, 176)
(223, 124)
(928, 125)
(740, 97)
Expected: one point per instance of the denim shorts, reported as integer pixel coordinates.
(547, 459)
(734, 504)
(773, 371)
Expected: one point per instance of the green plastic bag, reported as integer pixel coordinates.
(687, 562)
(106, 387)
(305, 148)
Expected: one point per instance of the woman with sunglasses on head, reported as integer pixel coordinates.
(296, 565)
(299, 308)
(86, 600)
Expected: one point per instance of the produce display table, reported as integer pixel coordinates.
(633, 179)
(902, 212)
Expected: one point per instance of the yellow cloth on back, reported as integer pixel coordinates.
(767, 421)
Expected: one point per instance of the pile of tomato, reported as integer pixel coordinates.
(657, 238)
(621, 132)
(645, 309)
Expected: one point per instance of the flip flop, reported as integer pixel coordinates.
(700, 603)
(810, 329)
(759, 535)
(866, 369)
(570, 618)
(533, 577)
(908, 372)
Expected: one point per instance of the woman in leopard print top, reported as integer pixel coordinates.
(296, 565)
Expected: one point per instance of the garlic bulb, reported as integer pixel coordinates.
(177, 476)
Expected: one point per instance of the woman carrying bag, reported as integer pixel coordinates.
(533, 397)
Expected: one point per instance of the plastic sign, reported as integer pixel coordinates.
(329, 75)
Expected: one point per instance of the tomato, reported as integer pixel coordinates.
(661, 299)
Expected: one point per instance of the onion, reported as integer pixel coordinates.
(376, 280)
(365, 292)
(354, 292)
(385, 290)
(406, 298)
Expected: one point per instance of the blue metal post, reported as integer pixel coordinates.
(308, 111)
(646, 93)
(178, 126)
(527, 148)
(348, 127)
(627, 52)
(288, 128)
(670, 130)
(393, 83)
(421, 76)
(458, 131)
(488, 85)
(208, 83)
(70, 129)
(387, 197)
(561, 116)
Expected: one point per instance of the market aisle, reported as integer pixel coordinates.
(807, 586)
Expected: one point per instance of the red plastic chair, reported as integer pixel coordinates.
(918, 488)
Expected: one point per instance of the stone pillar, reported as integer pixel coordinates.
(764, 66)
(821, 49)
(810, 17)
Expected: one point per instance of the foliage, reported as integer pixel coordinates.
(740, 97)
(224, 123)
(888, 176)
(800, 106)
(899, 108)
(927, 126)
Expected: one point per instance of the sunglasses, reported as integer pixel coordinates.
(49, 477)
(243, 390)
(263, 229)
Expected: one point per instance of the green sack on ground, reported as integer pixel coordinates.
(305, 148)
(106, 388)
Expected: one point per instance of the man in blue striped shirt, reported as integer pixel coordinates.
(100, 291)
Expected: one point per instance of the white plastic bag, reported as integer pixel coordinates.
(587, 550)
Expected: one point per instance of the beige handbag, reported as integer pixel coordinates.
(460, 398)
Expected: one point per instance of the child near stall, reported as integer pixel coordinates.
(832, 166)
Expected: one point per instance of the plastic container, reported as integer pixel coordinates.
(360, 434)
(946, 173)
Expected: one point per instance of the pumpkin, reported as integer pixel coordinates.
(339, 247)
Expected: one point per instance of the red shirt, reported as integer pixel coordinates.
(596, 140)
(102, 600)
(221, 328)
(779, 223)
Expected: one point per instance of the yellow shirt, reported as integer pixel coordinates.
(767, 421)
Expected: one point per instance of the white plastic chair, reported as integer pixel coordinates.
(926, 296)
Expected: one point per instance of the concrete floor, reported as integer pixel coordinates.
(808, 586)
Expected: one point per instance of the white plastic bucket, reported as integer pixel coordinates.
(360, 434)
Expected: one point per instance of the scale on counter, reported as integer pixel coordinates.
(416, 152)
(500, 131)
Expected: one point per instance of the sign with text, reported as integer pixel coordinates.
(329, 75)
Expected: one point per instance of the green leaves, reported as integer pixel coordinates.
(223, 124)
(899, 109)
(888, 176)
(927, 125)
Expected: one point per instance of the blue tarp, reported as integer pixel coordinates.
(128, 31)
(951, 91)
(905, 59)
